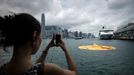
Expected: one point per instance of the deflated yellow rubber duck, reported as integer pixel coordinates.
(96, 47)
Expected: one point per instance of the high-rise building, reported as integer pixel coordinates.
(53, 29)
(43, 26)
(76, 34)
(65, 33)
(71, 35)
(80, 34)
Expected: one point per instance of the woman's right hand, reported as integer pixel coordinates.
(62, 45)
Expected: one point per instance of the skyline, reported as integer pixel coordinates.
(79, 15)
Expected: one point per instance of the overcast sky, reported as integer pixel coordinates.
(77, 15)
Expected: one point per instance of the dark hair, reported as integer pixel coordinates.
(18, 29)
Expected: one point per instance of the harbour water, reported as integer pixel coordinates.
(113, 62)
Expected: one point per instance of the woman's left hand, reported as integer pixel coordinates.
(51, 43)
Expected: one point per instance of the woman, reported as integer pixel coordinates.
(22, 31)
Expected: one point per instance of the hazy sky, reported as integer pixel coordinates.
(80, 15)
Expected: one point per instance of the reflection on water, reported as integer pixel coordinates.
(88, 62)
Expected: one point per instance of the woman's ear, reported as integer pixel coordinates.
(35, 42)
(35, 38)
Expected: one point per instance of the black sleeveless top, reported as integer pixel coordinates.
(32, 71)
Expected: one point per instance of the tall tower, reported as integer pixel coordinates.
(42, 26)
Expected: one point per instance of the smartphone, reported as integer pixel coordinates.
(57, 39)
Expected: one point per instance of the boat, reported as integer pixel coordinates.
(105, 34)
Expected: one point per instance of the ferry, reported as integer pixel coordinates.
(106, 34)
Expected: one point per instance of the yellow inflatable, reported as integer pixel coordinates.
(96, 47)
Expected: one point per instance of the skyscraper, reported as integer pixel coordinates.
(42, 26)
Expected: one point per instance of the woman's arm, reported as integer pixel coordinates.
(43, 56)
(53, 69)
(44, 53)
(71, 65)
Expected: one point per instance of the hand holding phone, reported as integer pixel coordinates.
(57, 39)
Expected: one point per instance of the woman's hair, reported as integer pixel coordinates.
(18, 29)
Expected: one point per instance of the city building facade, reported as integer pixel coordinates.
(53, 29)
(125, 32)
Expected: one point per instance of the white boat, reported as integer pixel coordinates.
(106, 34)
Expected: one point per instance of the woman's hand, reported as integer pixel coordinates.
(62, 45)
(51, 43)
